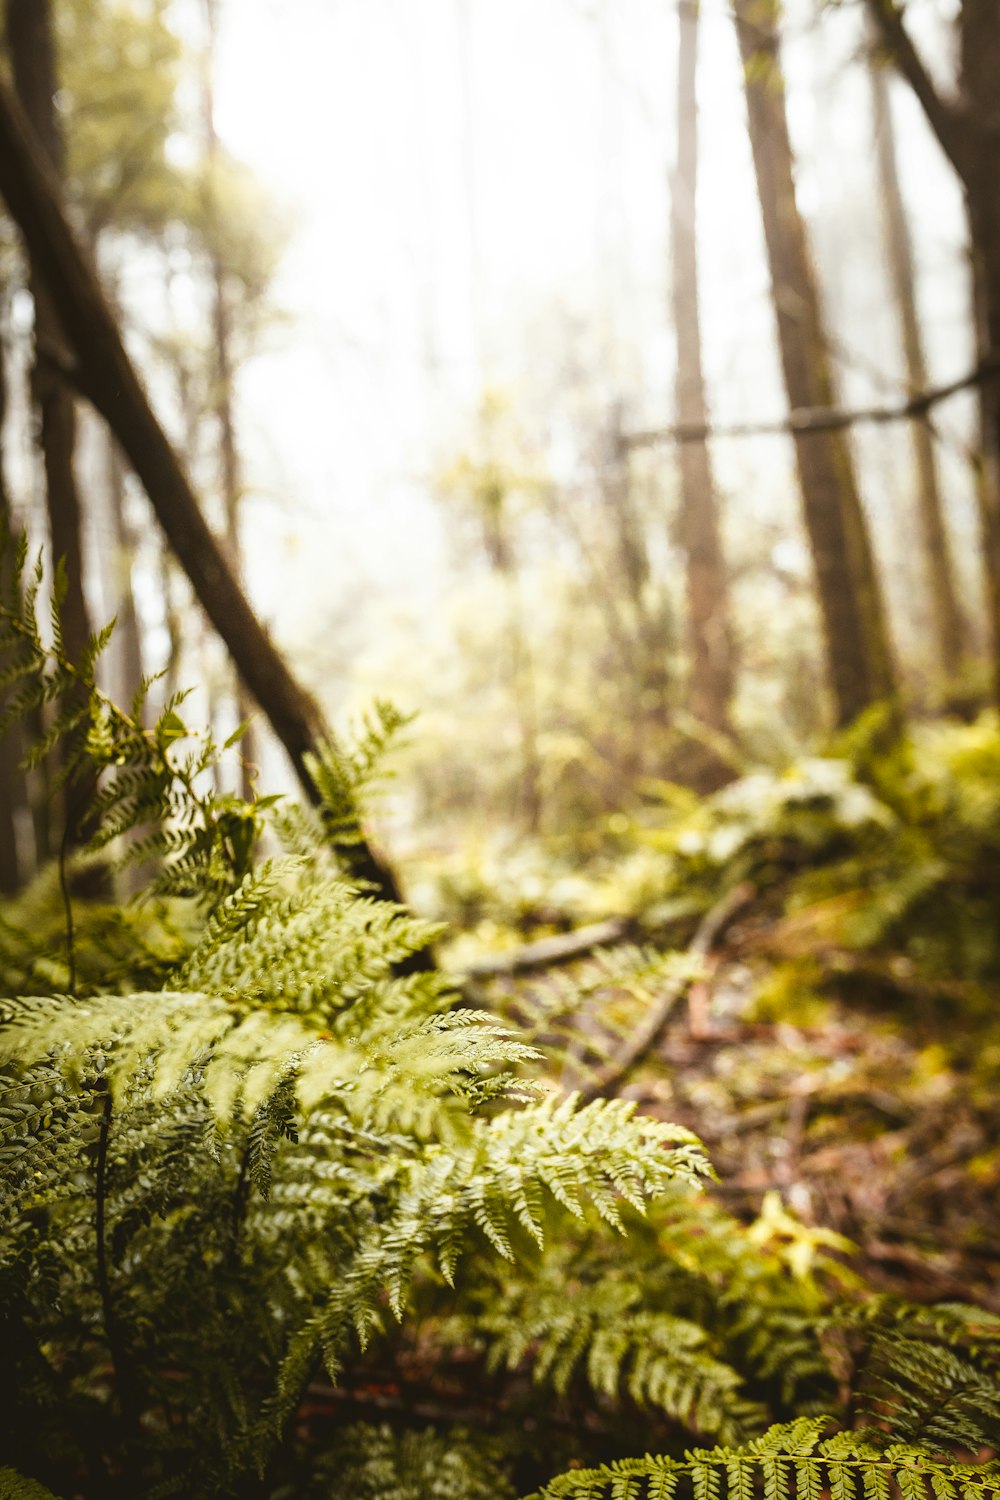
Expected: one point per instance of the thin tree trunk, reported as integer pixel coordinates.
(520, 667)
(522, 675)
(172, 623)
(707, 583)
(105, 374)
(13, 787)
(858, 654)
(980, 69)
(223, 384)
(968, 131)
(950, 630)
(29, 38)
(126, 649)
(32, 54)
(640, 635)
(127, 630)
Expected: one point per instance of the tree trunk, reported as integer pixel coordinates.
(980, 69)
(636, 614)
(968, 131)
(105, 374)
(950, 630)
(223, 383)
(127, 630)
(32, 54)
(125, 654)
(13, 787)
(707, 584)
(858, 654)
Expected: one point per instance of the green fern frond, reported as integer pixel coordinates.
(929, 1373)
(149, 785)
(374, 1463)
(16, 1487)
(788, 1459)
(346, 774)
(604, 1333)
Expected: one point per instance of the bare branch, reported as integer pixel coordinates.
(821, 418)
(944, 116)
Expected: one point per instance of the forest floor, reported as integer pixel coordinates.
(869, 1116)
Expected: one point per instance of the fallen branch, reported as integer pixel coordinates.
(545, 952)
(646, 1036)
(806, 419)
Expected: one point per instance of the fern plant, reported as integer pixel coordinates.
(241, 1143)
(788, 1459)
(212, 1184)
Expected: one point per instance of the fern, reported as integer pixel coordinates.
(239, 1138)
(17, 1487)
(373, 1463)
(789, 1459)
(931, 1375)
(623, 1348)
(154, 802)
(687, 1317)
(285, 1102)
(346, 774)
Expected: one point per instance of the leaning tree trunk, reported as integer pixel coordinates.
(950, 630)
(707, 584)
(855, 633)
(968, 131)
(104, 373)
(32, 53)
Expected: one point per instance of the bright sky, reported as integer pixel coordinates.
(454, 170)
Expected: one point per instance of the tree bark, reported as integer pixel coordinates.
(13, 787)
(32, 53)
(968, 131)
(127, 629)
(636, 613)
(223, 383)
(855, 633)
(949, 624)
(979, 39)
(707, 583)
(102, 370)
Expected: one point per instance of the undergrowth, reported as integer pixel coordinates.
(258, 1180)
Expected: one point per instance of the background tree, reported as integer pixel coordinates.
(13, 792)
(31, 44)
(484, 482)
(710, 640)
(949, 626)
(120, 69)
(108, 378)
(216, 234)
(855, 632)
(967, 127)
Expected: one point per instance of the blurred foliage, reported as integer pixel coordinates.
(890, 854)
(120, 66)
